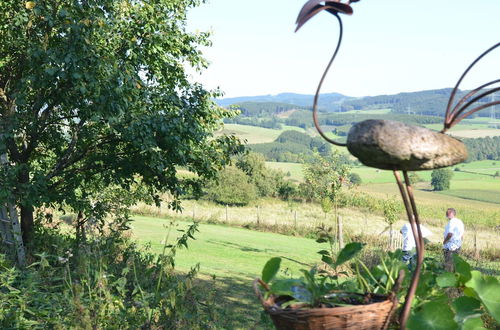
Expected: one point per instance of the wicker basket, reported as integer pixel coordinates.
(375, 315)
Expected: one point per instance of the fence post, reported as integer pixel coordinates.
(258, 215)
(340, 233)
(391, 243)
(476, 252)
(295, 219)
(194, 214)
(227, 217)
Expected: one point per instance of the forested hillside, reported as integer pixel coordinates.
(291, 146)
(483, 148)
(429, 102)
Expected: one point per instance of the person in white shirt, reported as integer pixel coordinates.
(409, 242)
(453, 238)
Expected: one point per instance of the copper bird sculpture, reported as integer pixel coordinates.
(391, 145)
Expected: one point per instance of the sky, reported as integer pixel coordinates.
(389, 46)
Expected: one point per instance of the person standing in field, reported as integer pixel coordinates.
(409, 242)
(453, 237)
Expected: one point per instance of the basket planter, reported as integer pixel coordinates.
(376, 314)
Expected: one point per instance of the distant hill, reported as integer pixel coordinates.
(327, 101)
(429, 102)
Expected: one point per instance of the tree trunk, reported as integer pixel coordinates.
(340, 233)
(27, 224)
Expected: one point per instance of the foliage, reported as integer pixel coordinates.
(392, 210)
(440, 179)
(414, 178)
(355, 179)
(325, 176)
(483, 148)
(104, 283)
(232, 187)
(292, 146)
(94, 94)
(267, 181)
(339, 120)
(319, 288)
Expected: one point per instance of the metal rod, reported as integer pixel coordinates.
(405, 312)
(454, 91)
(316, 96)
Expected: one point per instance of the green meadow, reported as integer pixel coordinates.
(254, 134)
(230, 258)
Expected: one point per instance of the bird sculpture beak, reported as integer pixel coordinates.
(312, 7)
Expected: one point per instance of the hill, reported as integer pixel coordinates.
(327, 100)
(429, 102)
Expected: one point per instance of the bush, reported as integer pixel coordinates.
(232, 188)
(103, 283)
(355, 179)
(440, 179)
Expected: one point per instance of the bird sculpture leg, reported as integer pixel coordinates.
(411, 211)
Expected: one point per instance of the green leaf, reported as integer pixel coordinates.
(488, 290)
(433, 316)
(324, 252)
(446, 280)
(473, 324)
(348, 252)
(466, 307)
(462, 268)
(327, 259)
(270, 269)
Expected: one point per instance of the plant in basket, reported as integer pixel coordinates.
(322, 298)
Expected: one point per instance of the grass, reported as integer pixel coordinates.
(234, 256)
(295, 169)
(254, 134)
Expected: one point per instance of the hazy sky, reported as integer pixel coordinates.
(389, 46)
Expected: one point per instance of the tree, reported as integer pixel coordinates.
(440, 179)
(95, 94)
(355, 179)
(324, 179)
(266, 180)
(392, 211)
(232, 188)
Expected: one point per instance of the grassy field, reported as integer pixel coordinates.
(235, 256)
(230, 258)
(254, 134)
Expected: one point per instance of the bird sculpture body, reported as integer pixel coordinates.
(396, 146)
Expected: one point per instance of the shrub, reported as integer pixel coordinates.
(440, 179)
(103, 283)
(232, 188)
(355, 179)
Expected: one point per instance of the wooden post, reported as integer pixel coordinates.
(339, 232)
(227, 217)
(295, 219)
(258, 215)
(476, 252)
(194, 215)
(391, 243)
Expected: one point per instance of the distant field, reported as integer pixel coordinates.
(295, 169)
(474, 181)
(491, 196)
(254, 134)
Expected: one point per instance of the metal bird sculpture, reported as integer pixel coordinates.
(391, 145)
